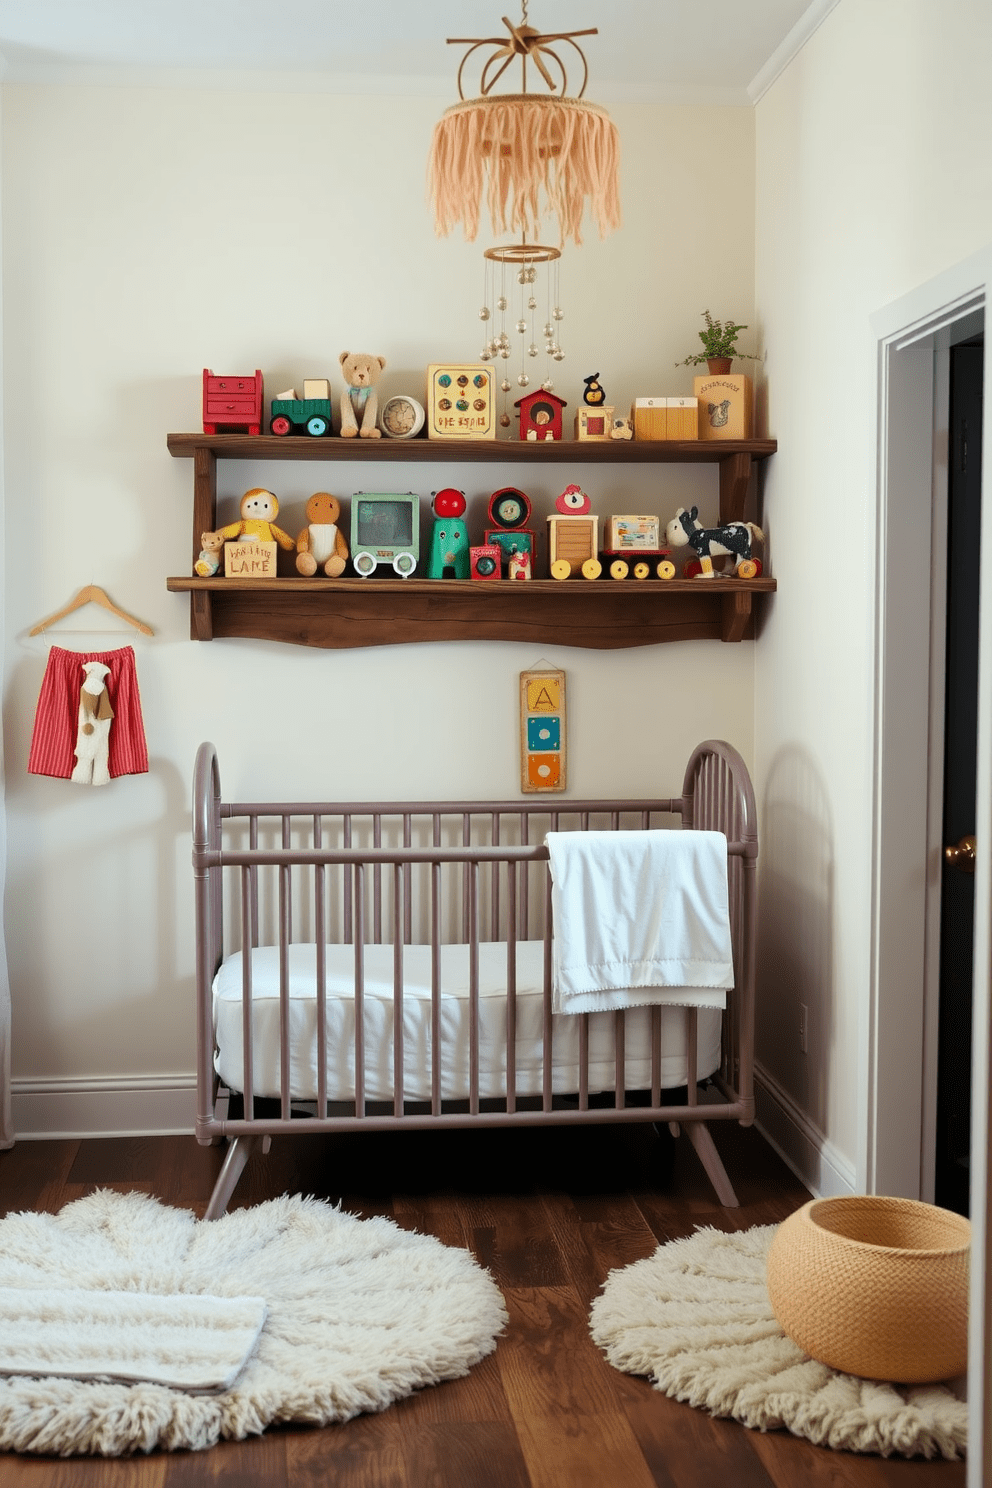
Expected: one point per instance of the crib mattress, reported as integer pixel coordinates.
(417, 1031)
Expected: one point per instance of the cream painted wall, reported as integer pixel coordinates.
(870, 180)
(150, 233)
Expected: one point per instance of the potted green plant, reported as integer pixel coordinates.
(719, 346)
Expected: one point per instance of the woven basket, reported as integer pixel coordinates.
(876, 1287)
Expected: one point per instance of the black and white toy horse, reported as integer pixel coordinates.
(732, 538)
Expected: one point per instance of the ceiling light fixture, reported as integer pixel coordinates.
(528, 156)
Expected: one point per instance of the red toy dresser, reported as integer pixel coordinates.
(232, 403)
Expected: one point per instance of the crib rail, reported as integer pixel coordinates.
(369, 874)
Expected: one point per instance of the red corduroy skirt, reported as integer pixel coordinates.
(57, 716)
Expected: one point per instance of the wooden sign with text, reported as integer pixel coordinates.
(250, 560)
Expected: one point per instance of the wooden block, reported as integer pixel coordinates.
(250, 560)
(594, 423)
(682, 418)
(650, 418)
(725, 403)
(316, 387)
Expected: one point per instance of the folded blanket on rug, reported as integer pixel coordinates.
(640, 918)
(185, 1342)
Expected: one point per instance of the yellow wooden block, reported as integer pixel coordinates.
(650, 418)
(725, 402)
(316, 387)
(682, 418)
(250, 560)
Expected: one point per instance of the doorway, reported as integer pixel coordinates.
(952, 1144)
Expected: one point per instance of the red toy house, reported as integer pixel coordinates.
(232, 403)
(540, 415)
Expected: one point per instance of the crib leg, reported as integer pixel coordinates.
(699, 1135)
(237, 1157)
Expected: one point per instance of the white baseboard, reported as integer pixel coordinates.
(798, 1141)
(104, 1106)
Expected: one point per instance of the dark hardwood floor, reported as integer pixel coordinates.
(551, 1213)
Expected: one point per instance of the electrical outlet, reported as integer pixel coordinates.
(803, 1028)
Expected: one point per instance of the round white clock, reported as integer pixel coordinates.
(401, 417)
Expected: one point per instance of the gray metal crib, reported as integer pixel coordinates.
(310, 917)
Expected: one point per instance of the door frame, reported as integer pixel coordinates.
(897, 1030)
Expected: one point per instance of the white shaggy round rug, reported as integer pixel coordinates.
(359, 1313)
(695, 1318)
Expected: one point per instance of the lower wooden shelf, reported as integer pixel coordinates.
(343, 613)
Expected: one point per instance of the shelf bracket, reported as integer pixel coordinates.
(201, 626)
(736, 613)
(735, 477)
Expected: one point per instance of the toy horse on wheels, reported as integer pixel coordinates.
(731, 539)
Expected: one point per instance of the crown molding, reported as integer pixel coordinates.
(809, 22)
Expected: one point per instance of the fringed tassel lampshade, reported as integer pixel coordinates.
(526, 156)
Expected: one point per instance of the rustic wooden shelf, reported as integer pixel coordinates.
(338, 613)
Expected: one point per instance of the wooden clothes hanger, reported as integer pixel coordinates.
(92, 594)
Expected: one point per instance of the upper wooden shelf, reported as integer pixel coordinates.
(470, 451)
(378, 612)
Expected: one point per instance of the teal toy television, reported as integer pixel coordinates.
(385, 529)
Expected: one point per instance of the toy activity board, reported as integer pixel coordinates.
(543, 753)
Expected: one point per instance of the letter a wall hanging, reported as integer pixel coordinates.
(542, 730)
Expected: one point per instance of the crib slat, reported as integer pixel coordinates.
(284, 1048)
(407, 884)
(287, 842)
(247, 1039)
(320, 939)
(398, 1056)
(583, 1061)
(435, 987)
(473, 987)
(691, 1043)
(377, 882)
(546, 1051)
(494, 882)
(347, 886)
(656, 1056)
(359, 915)
(253, 844)
(511, 986)
(620, 1057)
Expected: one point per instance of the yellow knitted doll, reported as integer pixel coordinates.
(258, 510)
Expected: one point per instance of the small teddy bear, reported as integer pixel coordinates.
(92, 749)
(360, 401)
(322, 541)
(209, 561)
(259, 508)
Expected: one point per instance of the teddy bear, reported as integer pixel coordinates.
(209, 561)
(259, 508)
(360, 401)
(322, 541)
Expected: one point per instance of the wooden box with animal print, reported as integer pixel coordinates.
(724, 405)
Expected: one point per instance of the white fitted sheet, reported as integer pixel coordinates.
(455, 1022)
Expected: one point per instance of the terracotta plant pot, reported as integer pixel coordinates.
(875, 1287)
(719, 364)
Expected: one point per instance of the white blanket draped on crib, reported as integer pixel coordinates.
(640, 918)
